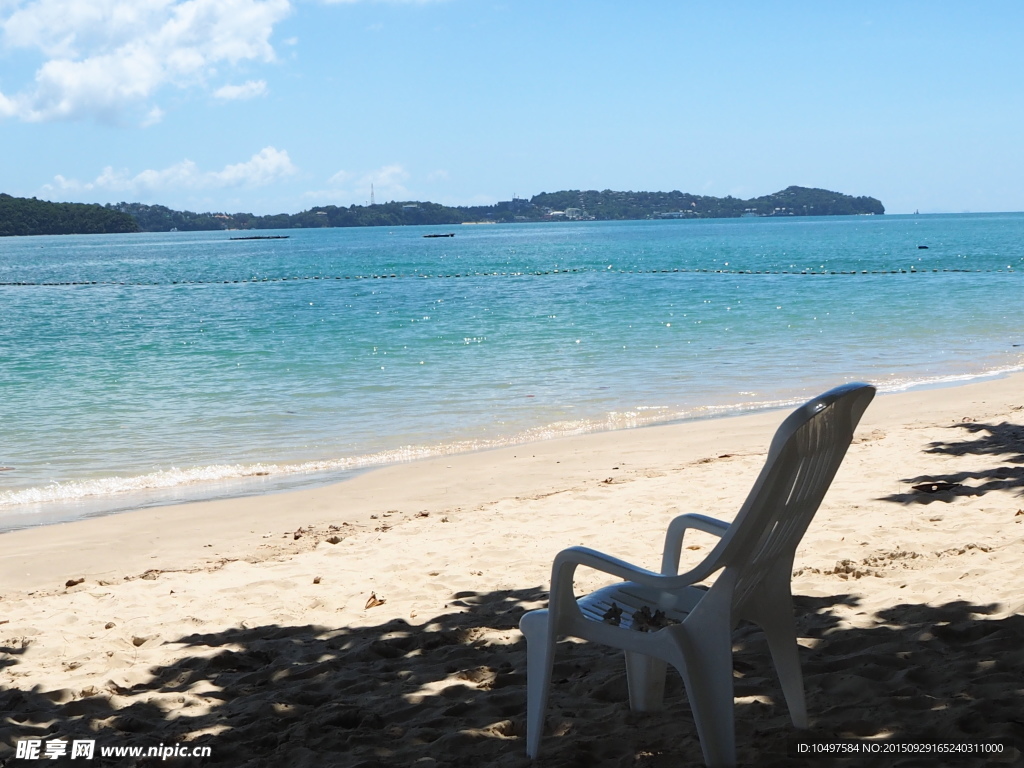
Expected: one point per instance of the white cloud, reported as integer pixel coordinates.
(154, 116)
(7, 107)
(247, 90)
(341, 177)
(103, 56)
(265, 167)
(387, 182)
(390, 2)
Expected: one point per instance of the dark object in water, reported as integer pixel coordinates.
(262, 237)
(937, 487)
(450, 234)
(922, 247)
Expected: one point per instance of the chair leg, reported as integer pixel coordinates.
(539, 659)
(779, 628)
(646, 678)
(707, 675)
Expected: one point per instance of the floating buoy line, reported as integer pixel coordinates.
(54, 284)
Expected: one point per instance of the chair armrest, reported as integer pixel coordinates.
(567, 560)
(564, 568)
(674, 538)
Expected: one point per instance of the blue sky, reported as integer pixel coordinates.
(276, 106)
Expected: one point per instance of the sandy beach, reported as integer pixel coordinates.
(374, 622)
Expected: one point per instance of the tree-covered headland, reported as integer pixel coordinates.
(792, 201)
(29, 216)
(587, 205)
(19, 216)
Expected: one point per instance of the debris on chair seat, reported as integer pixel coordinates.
(935, 487)
(613, 615)
(642, 619)
(645, 621)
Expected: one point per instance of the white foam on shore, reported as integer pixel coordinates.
(177, 478)
(903, 385)
(195, 478)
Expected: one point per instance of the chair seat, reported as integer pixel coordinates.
(631, 598)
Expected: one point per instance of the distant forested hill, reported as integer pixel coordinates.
(21, 216)
(553, 206)
(28, 216)
(158, 218)
(792, 201)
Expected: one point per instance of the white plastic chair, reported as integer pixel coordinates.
(755, 560)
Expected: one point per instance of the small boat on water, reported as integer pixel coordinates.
(449, 234)
(262, 237)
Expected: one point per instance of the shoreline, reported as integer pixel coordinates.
(351, 499)
(247, 624)
(263, 478)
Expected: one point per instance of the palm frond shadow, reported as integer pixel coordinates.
(1003, 442)
(451, 692)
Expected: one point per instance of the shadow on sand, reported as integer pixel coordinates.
(452, 693)
(1003, 442)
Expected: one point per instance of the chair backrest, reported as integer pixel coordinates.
(805, 455)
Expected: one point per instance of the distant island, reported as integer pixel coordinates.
(22, 216)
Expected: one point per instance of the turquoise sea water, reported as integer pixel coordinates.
(142, 369)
